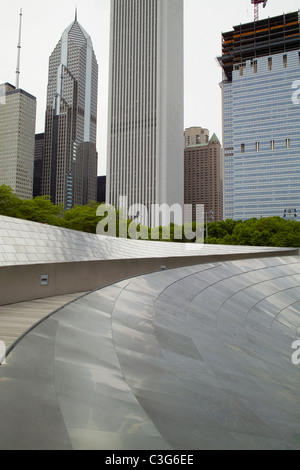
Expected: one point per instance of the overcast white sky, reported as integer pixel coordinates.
(45, 21)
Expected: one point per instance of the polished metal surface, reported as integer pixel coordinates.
(16, 319)
(186, 359)
(23, 242)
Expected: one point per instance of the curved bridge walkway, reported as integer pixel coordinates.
(191, 358)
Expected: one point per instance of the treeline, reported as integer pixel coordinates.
(80, 218)
(273, 231)
(42, 210)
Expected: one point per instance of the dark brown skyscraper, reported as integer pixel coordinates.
(70, 158)
(203, 182)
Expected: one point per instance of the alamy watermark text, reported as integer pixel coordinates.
(296, 354)
(133, 222)
(2, 353)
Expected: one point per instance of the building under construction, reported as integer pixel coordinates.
(258, 39)
(261, 118)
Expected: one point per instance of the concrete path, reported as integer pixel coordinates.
(16, 319)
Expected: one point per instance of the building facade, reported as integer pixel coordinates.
(101, 189)
(261, 66)
(195, 136)
(38, 164)
(70, 155)
(17, 135)
(203, 184)
(145, 148)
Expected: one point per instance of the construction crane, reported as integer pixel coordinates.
(256, 4)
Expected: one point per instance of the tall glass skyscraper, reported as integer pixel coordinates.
(145, 126)
(261, 65)
(70, 155)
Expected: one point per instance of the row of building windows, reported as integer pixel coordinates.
(254, 64)
(272, 145)
(190, 140)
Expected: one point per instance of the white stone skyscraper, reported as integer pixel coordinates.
(146, 104)
(70, 155)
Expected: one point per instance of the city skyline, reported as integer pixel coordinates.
(206, 21)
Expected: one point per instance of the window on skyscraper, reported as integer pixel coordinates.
(270, 63)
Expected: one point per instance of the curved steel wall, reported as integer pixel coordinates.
(192, 358)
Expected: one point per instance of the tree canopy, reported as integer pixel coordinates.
(272, 231)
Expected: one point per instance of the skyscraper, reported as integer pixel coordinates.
(70, 155)
(17, 136)
(261, 68)
(203, 184)
(101, 190)
(195, 136)
(38, 164)
(145, 126)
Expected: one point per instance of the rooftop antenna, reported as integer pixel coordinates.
(19, 53)
(76, 14)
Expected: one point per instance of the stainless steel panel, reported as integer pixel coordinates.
(193, 358)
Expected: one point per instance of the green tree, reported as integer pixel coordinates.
(260, 238)
(81, 218)
(42, 210)
(213, 241)
(269, 231)
(10, 203)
